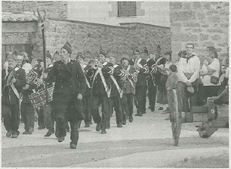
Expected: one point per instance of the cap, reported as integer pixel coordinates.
(67, 47)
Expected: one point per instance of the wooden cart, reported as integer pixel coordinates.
(210, 116)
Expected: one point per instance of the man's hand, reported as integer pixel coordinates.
(26, 87)
(79, 96)
(13, 80)
(188, 83)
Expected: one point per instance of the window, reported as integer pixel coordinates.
(126, 8)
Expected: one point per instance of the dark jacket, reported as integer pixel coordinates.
(125, 84)
(98, 87)
(143, 72)
(89, 73)
(157, 73)
(69, 79)
(8, 96)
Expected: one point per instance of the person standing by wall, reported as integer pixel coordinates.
(209, 73)
(189, 68)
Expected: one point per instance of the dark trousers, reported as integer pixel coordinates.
(141, 98)
(41, 122)
(97, 100)
(11, 116)
(115, 102)
(27, 112)
(210, 91)
(185, 98)
(127, 103)
(152, 94)
(61, 125)
(48, 117)
(87, 108)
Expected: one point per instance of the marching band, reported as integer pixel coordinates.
(82, 89)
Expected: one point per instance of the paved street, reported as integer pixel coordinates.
(146, 142)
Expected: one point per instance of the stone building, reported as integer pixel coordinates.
(203, 23)
(119, 29)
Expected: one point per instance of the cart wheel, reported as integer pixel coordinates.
(176, 127)
(205, 131)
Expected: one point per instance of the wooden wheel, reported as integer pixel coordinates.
(176, 122)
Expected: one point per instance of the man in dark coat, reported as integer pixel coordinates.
(69, 88)
(13, 80)
(101, 93)
(141, 84)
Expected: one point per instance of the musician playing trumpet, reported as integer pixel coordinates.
(128, 78)
(13, 81)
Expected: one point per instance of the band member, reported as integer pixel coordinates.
(160, 78)
(128, 78)
(13, 81)
(116, 93)
(101, 93)
(141, 84)
(152, 86)
(69, 88)
(46, 109)
(87, 98)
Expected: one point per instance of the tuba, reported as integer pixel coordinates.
(32, 77)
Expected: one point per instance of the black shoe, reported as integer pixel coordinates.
(98, 127)
(41, 128)
(48, 134)
(124, 122)
(130, 119)
(61, 139)
(9, 133)
(119, 125)
(15, 134)
(103, 132)
(138, 114)
(108, 126)
(25, 132)
(160, 108)
(73, 146)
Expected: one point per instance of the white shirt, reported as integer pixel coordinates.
(192, 66)
(215, 65)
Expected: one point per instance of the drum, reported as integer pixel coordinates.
(39, 98)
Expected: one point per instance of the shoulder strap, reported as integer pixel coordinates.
(99, 71)
(117, 86)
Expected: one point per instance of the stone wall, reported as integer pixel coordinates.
(54, 9)
(202, 23)
(114, 39)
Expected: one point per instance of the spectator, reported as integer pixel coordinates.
(164, 70)
(189, 68)
(56, 57)
(26, 63)
(209, 73)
